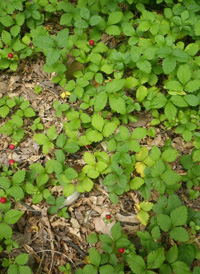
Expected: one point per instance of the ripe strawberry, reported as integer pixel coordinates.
(10, 55)
(3, 200)
(108, 217)
(110, 80)
(47, 27)
(121, 250)
(87, 146)
(11, 146)
(91, 42)
(11, 161)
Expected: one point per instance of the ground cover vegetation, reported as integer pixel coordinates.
(113, 60)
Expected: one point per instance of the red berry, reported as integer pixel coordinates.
(91, 42)
(11, 146)
(3, 200)
(11, 161)
(87, 146)
(108, 217)
(121, 250)
(110, 80)
(10, 55)
(47, 27)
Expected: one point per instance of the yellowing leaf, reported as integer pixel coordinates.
(143, 154)
(137, 206)
(62, 95)
(143, 217)
(148, 161)
(140, 167)
(87, 260)
(67, 93)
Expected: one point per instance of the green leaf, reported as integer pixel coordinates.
(115, 85)
(179, 101)
(114, 17)
(196, 156)
(6, 37)
(21, 259)
(156, 258)
(144, 25)
(141, 93)
(179, 234)
(172, 254)
(155, 232)
(158, 102)
(109, 128)
(106, 269)
(95, 20)
(5, 231)
(171, 177)
(7, 20)
(113, 30)
(169, 64)
(71, 147)
(143, 216)
(94, 136)
(97, 122)
(16, 192)
(90, 269)
(192, 86)
(100, 101)
(89, 158)
(116, 231)
(139, 133)
(146, 206)
(170, 111)
(40, 138)
(164, 222)
(95, 257)
(192, 100)
(24, 269)
(43, 42)
(184, 73)
(136, 263)
(144, 66)
(52, 133)
(173, 85)
(92, 238)
(169, 155)
(180, 268)
(117, 104)
(62, 38)
(136, 183)
(12, 216)
(52, 56)
(179, 216)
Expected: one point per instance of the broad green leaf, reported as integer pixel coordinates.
(95, 20)
(179, 216)
(40, 138)
(89, 269)
(179, 101)
(155, 232)
(184, 73)
(179, 234)
(117, 104)
(169, 155)
(158, 102)
(95, 257)
(164, 222)
(155, 258)
(144, 65)
(144, 25)
(136, 183)
(97, 122)
(94, 136)
(52, 56)
(170, 111)
(192, 100)
(196, 156)
(21, 259)
(136, 263)
(106, 269)
(116, 231)
(139, 133)
(68, 190)
(43, 42)
(192, 86)
(115, 17)
(62, 38)
(100, 101)
(146, 206)
(18, 177)
(173, 85)
(171, 177)
(180, 268)
(16, 192)
(141, 93)
(5, 230)
(169, 64)
(92, 238)
(172, 254)
(12, 216)
(89, 158)
(113, 30)
(5, 182)
(109, 129)
(115, 85)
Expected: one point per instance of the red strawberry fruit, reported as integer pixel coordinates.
(11, 161)
(10, 55)
(3, 200)
(108, 217)
(11, 146)
(91, 42)
(121, 250)
(47, 27)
